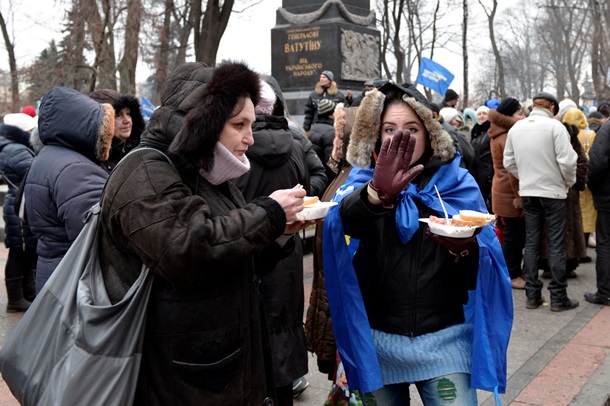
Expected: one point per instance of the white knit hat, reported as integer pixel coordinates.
(21, 120)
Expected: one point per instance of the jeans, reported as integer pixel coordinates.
(539, 211)
(452, 389)
(602, 250)
(513, 243)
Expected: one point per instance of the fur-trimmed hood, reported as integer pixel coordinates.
(367, 126)
(332, 90)
(500, 123)
(344, 124)
(73, 120)
(119, 102)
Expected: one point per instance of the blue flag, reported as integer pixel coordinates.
(434, 76)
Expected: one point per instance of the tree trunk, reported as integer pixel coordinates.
(597, 70)
(127, 66)
(209, 31)
(465, 52)
(103, 45)
(490, 19)
(10, 49)
(163, 56)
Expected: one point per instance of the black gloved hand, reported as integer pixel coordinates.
(392, 173)
(459, 247)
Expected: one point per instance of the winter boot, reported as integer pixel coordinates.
(14, 290)
(29, 285)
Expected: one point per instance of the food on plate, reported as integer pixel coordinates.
(309, 200)
(438, 220)
(473, 218)
(466, 218)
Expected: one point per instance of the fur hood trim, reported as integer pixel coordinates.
(367, 126)
(500, 123)
(344, 124)
(104, 139)
(332, 90)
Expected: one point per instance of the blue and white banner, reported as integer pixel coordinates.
(434, 76)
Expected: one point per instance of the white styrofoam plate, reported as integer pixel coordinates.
(449, 230)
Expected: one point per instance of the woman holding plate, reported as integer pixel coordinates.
(406, 304)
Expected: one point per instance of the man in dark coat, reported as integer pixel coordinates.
(598, 180)
(66, 178)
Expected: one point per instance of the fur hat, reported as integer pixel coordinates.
(203, 124)
(451, 94)
(329, 75)
(21, 120)
(29, 110)
(596, 115)
(367, 126)
(267, 100)
(549, 97)
(508, 106)
(326, 107)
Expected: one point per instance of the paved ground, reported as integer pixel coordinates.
(554, 359)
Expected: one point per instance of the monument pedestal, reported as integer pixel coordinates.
(334, 35)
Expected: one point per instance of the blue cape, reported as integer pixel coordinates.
(490, 306)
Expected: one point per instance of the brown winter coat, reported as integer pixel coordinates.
(203, 342)
(505, 200)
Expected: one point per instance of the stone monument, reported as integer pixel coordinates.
(311, 36)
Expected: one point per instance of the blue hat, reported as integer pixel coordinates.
(492, 103)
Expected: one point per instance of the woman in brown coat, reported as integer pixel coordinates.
(184, 219)
(505, 200)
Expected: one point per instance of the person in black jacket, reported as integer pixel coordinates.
(277, 161)
(482, 168)
(128, 123)
(16, 155)
(326, 88)
(317, 176)
(413, 284)
(598, 181)
(322, 135)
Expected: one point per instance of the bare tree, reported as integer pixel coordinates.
(490, 12)
(10, 49)
(599, 49)
(129, 61)
(101, 29)
(465, 51)
(209, 28)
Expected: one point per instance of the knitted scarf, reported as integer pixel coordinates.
(226, 166)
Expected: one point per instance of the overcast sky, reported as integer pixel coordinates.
(248, 35)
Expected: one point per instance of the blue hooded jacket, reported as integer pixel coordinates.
(66, 179)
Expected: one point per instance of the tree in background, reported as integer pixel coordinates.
(10, 50)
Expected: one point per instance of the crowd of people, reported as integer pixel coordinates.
(207, 194)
